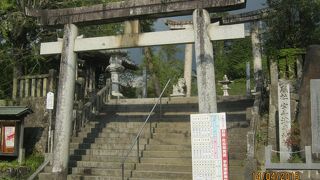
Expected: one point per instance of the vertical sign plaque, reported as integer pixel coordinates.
(284, 119)
(209, 146)
(315, 114)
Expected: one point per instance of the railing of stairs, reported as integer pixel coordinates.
(91, 108)
(137, 138)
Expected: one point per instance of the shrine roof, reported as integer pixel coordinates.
(16, 111)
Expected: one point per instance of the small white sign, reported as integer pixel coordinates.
(50, 100)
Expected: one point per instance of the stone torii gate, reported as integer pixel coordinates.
(201, 35)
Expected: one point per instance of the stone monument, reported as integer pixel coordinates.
(179, 88)
(284, 119)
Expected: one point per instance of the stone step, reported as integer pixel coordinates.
(171, 161)
(101, 158)
(168, 147)
(106, 165)
(167, 154)
(100, 171)
(111, 134)
(91, 177)
(108, 140)
(164, 130)
(163, 167)
(172, 135)
(100, 146)
(102, 152)
(170, 141)
(162, 174)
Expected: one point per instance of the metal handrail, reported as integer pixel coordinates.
(136, 140)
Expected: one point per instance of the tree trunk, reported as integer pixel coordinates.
(150, 65)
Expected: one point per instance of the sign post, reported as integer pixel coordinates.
(49, 107)
(209, 146)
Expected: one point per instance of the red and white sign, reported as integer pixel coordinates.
(9, 133)
(209, 146)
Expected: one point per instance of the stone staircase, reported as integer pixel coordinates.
(96, 153)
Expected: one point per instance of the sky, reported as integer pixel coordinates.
(136, 55)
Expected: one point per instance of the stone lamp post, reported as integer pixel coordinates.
(225, 82)
(115, 69)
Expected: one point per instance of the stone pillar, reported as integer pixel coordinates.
(132, 27)
(273, 105)
(248, 85)
(299, 63)
(284, 119)
(188, 68)
(145, 83)
(257, 57)
(115, 68)
(21, 156)
(315, 114)
(65, 99)
(204, 61)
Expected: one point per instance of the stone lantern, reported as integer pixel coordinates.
(225, 82)
(115, 68)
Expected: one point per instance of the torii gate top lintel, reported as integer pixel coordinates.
(130, 9)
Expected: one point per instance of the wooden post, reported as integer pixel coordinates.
(44, 86)
(26, 88)
(39, 83)
(21, 88)
(205, 65)
(17, 72)
(21, 157)
(65, 100)
(33, 87)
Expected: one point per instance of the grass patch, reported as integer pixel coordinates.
(32, 162)
(238, 87)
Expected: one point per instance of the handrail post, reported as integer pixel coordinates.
(138, 156)
(150, 129)
(122, 171)
(160, 108)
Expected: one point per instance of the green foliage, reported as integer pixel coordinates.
(166, 66)
(32, 162)
(292, 24)
(287, 62)
(20, 38)
(231, 60)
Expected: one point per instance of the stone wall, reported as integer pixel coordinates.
(36, 125)
(311, 70)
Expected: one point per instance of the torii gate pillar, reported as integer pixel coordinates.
(204, 61)
(67, 77)
(257, 57)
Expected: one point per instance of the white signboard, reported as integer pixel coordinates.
(50, 100)
(284, 119)
(209, 147)
(9, 133)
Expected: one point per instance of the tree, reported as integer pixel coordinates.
(292, 24)
(20, 38)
